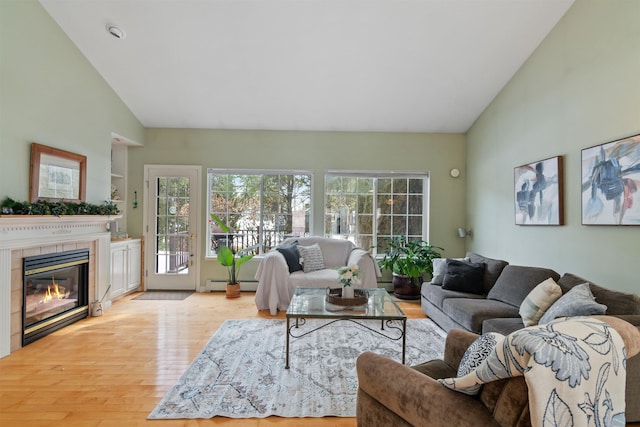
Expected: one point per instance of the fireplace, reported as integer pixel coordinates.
(56, 292)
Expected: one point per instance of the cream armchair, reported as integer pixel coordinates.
(276, 284)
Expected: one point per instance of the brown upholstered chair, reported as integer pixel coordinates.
(391, 394)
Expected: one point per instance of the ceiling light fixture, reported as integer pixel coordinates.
(115, 31)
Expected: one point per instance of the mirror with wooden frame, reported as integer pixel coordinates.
(57, 175)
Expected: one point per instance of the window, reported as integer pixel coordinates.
(369, 207)
(260, 207)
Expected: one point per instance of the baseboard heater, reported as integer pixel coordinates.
(219, 286)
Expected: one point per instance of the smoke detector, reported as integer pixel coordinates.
(115, 31)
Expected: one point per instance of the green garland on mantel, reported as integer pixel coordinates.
(61, 208)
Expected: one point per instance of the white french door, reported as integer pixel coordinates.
(171, 227)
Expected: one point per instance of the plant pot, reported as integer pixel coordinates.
(405, 287)
(232, 291)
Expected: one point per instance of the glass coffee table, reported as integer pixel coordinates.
(310, 303)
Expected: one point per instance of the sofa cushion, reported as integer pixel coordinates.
(502, 325)
(477, 352)
(508, 401)
(515, 283)
(538, 301)
(463, 276)
(579, 301)
(440, 267)
(292, 256)
(436, 295)
(315, 279)
(335, 252)
(617, 302)
(492, 269)
(435, 369)
(470, 313)
(311, 257)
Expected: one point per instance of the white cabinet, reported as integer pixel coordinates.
(126, 259)
(118, 269)
(134, 257)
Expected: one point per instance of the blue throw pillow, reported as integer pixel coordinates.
(579, 301)
(292, 256)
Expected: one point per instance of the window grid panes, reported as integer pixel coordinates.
(262, 209)
(172, 225)
(370, 209)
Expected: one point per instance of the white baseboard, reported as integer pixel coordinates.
(219, 286)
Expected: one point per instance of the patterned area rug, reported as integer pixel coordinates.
(240, 373)
(163, 295)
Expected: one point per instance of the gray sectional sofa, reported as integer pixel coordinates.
(505, 287)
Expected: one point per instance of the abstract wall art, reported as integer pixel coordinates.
(610, 181)
(538, 193)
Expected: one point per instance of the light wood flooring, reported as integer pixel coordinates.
(111, 371)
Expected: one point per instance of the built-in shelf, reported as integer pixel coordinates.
(119, 153)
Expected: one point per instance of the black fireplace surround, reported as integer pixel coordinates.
(56, 292)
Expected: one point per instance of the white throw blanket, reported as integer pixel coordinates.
(276, 285)
(575, 370)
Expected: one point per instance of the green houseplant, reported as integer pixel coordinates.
(233, 261)
(408, 260)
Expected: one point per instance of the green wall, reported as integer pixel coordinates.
(51, 94)
(318, 152)
(580, 88)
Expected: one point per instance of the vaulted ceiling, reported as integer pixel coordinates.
(343, 65)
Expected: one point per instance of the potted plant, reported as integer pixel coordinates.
(408, 260)
(232, 261)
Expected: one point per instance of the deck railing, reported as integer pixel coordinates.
(240, 239)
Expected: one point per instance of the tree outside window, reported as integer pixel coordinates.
(368, 209)
(262, 208)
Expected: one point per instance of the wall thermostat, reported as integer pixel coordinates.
(455, 172)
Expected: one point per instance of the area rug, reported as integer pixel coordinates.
(163, 295)
(240, 373)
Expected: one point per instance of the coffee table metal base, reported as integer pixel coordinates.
(392, 327)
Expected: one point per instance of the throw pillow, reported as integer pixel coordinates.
(439, 265)
(311, 258)
(463, 276)
(439, 268)
(538, 301)
(477, 352)
(292, 256)
(579, 301)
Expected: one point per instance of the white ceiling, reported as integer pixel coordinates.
(344, 65)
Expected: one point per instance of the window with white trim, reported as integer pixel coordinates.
(260, 207)
(370, 207)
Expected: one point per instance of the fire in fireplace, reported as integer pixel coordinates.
(56, 292)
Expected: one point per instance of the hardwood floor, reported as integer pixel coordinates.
(111, 371)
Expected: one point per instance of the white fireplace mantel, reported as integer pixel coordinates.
(29, 231)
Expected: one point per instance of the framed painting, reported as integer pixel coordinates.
(538, 190)
(610, 181)
(57, 175)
